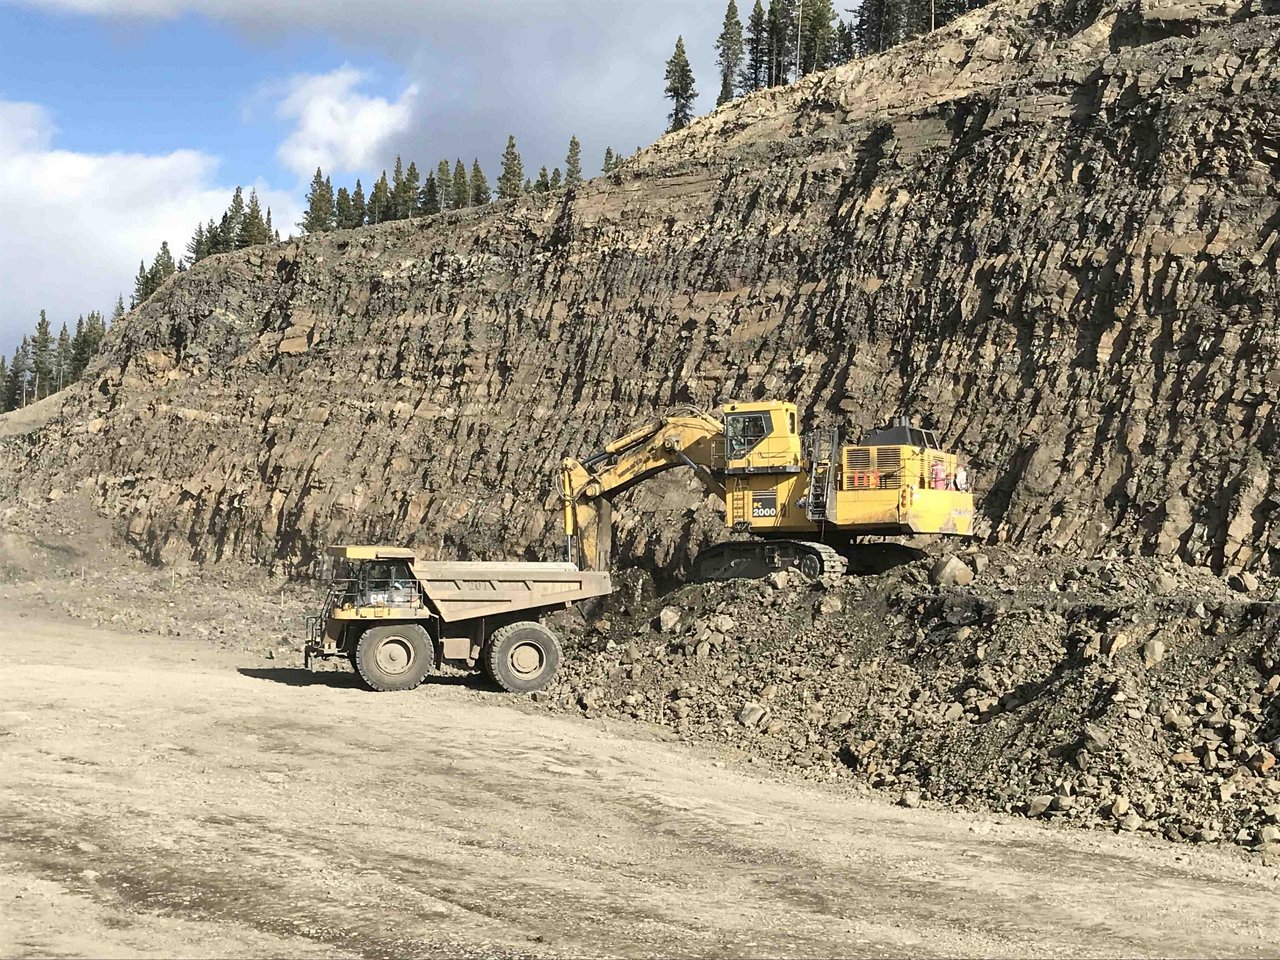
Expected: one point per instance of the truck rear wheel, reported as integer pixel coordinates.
(522, 657)
(395, 657)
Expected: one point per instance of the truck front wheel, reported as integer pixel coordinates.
(395, 657)
(522, 657)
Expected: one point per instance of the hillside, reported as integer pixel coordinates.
(1049, 230)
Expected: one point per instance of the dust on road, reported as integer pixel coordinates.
(161, 798)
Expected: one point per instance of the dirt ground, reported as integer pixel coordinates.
(165, 798)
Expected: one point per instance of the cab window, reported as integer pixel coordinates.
(387, 583)
(742, 433)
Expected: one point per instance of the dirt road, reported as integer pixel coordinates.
(158, 798)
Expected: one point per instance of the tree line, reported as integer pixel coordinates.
(788, 39)
(243, 224)
(44, 364)
(450, 185)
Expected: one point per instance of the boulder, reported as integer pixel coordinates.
(951, 572)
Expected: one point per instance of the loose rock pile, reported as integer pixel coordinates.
(1043, 689)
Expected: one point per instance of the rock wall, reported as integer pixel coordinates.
(1048, 230)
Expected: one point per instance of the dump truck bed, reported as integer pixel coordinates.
(467, 590)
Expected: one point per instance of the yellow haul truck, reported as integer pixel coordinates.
(398, 618)
(800, 497)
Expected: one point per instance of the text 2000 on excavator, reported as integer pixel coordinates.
(804, 499)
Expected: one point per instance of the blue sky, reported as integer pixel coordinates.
(125, 122)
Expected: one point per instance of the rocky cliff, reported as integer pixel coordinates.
(1049, 230)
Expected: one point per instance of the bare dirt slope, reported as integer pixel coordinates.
(162, 799)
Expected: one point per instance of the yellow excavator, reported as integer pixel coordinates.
(803, 499)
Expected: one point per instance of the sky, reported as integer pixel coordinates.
(124, 123)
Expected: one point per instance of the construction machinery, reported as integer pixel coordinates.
(803, 499)
(398, 618)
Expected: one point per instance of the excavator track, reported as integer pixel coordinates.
(756, 559)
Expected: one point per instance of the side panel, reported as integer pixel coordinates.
(940, 511)
(464, 591)
(767, 503)
(870, 508)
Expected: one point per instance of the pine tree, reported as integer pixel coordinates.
(214, 241)
(253, 227)
(573, 164)
(846, 45)
(4, 383)
(876, 26)
(381, 202)
(163, 267)
(430, 203)
(511, 182)
(320, 215)
(62, 358)
(18, 387)
(359, 211)
(817, 36)
(480, 192)
(412, 185)
(730, 49)
(405, 185)
(141, 284)
(79, 350)
(233, 219)
(543, 183)
(444, 183)
(461, 187)
(609, 161)
(755, 64)
(198, 245)
(97, 328)
(397, 191)
(344, 210)
(42, 358)
(88, 337)
(556, 178)
(527, 187)
(680, 88)
(782, 41)
(359, 214)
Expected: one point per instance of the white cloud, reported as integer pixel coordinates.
(541, 69)
(336, 127)
(73, 226)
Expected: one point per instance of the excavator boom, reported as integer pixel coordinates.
(589, 486)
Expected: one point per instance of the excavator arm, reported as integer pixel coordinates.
(589, 486)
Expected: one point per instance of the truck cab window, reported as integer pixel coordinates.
(387, 583)
(742, 433)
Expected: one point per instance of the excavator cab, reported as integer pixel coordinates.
(761, 438)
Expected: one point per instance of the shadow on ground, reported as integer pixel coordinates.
(299, 677)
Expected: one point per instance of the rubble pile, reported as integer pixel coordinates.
(1044, 689)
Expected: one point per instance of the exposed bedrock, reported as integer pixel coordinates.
(1048, 230)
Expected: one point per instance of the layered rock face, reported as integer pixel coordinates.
(1049, 231)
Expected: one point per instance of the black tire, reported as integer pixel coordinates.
(522, 657)
(395, 657)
